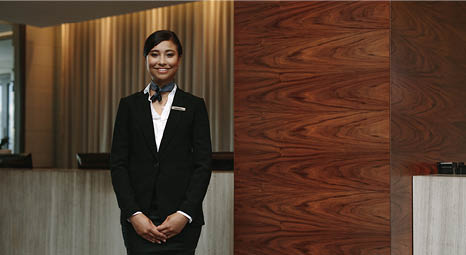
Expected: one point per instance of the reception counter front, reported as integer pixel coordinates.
(55, 212)
(439, 215)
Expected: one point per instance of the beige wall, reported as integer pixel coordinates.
(39, 106)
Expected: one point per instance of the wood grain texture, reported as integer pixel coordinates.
(439, 210)
(55, 212)
(312, 128)
(428, 122)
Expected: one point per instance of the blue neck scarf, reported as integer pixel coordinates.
(158, 91)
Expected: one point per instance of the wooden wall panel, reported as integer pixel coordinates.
(428, 113)
(312, 128)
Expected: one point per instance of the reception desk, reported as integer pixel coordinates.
(74, 212)
(439, 215)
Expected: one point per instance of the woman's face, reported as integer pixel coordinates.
(162, 62)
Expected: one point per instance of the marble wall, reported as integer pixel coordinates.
(54, 212)
(439, 224)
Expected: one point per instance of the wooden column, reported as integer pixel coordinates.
(428, 113)
(312, 128)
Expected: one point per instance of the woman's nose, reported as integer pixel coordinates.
(162, 60)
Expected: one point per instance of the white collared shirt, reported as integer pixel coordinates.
(160, 121)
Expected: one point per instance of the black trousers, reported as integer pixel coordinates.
(182, 244)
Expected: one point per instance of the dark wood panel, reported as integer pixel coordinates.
(312, 128)
(428, 114)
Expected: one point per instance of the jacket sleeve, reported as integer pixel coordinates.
(202, 153)
(119, 158)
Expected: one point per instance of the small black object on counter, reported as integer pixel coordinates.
(451, 168)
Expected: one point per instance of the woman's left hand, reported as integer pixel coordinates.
(173, 224)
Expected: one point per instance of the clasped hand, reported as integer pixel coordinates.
(172, 226)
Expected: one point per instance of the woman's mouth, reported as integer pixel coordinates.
(162, 70)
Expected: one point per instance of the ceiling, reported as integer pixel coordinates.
(50, 13)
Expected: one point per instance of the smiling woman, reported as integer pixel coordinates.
(160, 179)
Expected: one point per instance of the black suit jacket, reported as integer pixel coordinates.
(180, 171)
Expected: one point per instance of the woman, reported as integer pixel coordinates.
(160, 158)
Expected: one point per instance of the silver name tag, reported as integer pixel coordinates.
(178, 108)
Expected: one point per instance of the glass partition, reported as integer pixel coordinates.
(9, 88)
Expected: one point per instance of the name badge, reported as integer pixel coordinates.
(178, 108)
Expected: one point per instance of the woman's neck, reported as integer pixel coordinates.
(162, 84)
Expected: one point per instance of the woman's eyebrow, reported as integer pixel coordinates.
(159, 50)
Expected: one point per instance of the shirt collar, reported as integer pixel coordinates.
(146, 90)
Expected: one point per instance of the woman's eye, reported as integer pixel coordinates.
(170, 55)
(154, 54)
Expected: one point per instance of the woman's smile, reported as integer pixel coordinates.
(162, 70)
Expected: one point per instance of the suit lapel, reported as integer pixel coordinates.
(173, 119)
(147, 126)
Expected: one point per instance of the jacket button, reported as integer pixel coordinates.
(156, 165)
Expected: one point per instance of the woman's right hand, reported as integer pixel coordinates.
(146, 229)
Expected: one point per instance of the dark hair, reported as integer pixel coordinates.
(159, 36)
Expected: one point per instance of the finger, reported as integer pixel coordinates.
(158, 240)
(158, 234)
(162, 236)
(167, 231)
(150, 238)
(150, 234)
(167, 234)
(162, 227)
